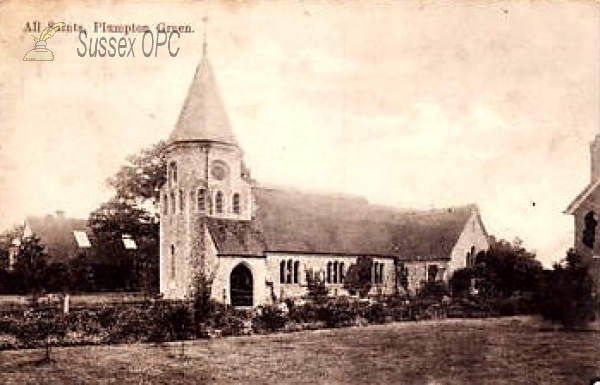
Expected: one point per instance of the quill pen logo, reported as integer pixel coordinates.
(40, 52)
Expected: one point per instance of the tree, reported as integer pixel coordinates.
(7, 285)
(42, 325)
(568, 292)
(133, 211)
(57, 278)
(203, 307)
(401, 276)
(506, 269)
(359, 277)
(435, 290)
(143, 174)
(460, 282)
(31, 261)
(317, 291)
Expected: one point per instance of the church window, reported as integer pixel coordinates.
(381, 273)
(374, 272)
(432, 272)
(165, 205)
(173, 206)
(328, 272)
(471, 257)
(236, 203)
(172, 261)
(296, 271)
(201, 200)
(589, 231)
(173, 173)
(342, 272)
(282, 272)
(181, 201)
(219, 202)
(335, 272)
(289, 271)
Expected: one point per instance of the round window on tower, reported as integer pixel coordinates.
(219, 170)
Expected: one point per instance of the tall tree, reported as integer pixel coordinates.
(568, 292)
(142, 175)
(317, 291)
(507, 268)
(359, 277)
(31, 261)
(133, 211)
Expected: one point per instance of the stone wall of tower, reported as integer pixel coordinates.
(183, 234)
(235, 182)
(182, 225)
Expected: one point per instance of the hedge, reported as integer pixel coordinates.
(160, 321)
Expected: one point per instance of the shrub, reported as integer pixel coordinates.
(375, 313)
(305, 313)
(169, 321)
(131, 325)
(84, 321)
(332, 313)
(433, 290)
(567, 293)
(269, 319)
(317, 291)
(339, 313)
(234, 325)
(41, 327)
(358, 279)
(460, 282)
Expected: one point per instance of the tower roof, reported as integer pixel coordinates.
(203, 116)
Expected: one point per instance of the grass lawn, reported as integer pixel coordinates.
(493, 351)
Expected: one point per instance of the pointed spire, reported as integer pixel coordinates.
(203, 116)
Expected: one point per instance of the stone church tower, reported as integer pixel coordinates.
(206, 177)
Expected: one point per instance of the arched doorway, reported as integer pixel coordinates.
(240, 286)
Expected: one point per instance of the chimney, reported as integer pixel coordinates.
(60, 214)
(595, 158)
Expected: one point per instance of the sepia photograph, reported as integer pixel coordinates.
(323, 192)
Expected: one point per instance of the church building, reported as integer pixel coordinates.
(258, 243)
(585, 209)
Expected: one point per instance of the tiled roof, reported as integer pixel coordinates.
(292, 221)
(203, 116)
(57, 234)
(582, 197)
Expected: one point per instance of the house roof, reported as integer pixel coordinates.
(582, 197)
(293, 221)
(59, 234)
(203, 116)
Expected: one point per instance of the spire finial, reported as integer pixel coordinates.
(204, 43)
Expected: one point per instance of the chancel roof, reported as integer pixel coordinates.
(287, 220)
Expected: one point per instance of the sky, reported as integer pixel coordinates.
(408, 104)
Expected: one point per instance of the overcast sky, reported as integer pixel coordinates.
(409, 105)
